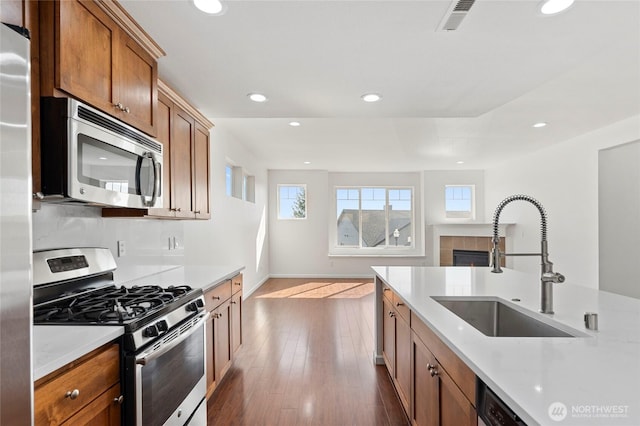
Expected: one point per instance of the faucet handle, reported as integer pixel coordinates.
(553, 277)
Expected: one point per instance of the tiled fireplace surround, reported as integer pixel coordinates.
(449, 243)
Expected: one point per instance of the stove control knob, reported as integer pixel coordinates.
(162, 326)
(150, 331)
(200, 303)
(192, 307)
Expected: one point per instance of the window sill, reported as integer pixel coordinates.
(409, 252)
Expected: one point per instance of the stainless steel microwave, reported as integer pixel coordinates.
(90, 157)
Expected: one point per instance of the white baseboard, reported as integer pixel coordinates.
(253, 289)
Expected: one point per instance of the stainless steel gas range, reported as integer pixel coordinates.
(162, 349)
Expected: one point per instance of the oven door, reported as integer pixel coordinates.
(170, 381)
(112, 170)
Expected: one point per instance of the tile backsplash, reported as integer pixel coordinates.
(149, 243)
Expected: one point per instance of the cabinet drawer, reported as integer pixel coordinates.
(217, 295)
(402, 309)
(462, 375)
(236, 284)
(90, 378)
(387, 292)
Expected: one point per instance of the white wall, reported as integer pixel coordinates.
(300, 248)
(146, 240)
(619, 218)
(434, 183)
(564, 178)
(236, 234)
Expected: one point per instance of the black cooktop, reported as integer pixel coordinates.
(112, 305)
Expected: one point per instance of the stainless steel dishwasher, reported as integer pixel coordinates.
(492, 411)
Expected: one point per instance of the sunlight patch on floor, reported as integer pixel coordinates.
(322, 290)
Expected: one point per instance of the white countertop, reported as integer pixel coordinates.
(203, 277)
(57, 345)
(592, 376)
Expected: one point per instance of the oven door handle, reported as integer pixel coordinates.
(144, 357)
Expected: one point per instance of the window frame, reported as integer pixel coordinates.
(388, 246)
(306, 200)
(453, 214)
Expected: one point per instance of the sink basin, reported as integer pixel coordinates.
(493, 317)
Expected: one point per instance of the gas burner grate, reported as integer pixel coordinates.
(108, 305)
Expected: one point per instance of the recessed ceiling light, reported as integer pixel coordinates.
(102, 158)
(294, 123)
(540, 124)
(257, 97)
(212, 7)
(307, 162)
(551, 7)
(371, 97)
(460, 162)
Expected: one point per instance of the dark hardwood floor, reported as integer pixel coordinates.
(307, 359)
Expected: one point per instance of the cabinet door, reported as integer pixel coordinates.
(455, 409)
(425, 410)
(181, 177)
(102, 411)
(236, 322)
(388, 335)
(84, 53)
(209, 355)
(164, 120)
(402, 369)
(135, 84)
(201, 172)
(221, 341)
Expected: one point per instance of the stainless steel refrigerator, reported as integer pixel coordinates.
(15, 229)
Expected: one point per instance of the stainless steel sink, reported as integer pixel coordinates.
(495, 318)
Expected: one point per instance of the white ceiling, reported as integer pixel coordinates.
(470, 95)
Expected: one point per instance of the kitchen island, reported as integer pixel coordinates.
(595, 375)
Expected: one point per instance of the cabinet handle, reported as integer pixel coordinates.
(233, 302)
(197, 212)
(72, 394)
(118, 400)
(237, 283)
(399, 304)
(392, 314)
(179, 209)
(119, 106)
(215, 297)
(432, 369)
(126, 109)
(386, 289)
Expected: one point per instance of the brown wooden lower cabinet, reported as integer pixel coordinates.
(223, 329)
(435, 387)
(84, 392)
(437, 400)
(402, 374)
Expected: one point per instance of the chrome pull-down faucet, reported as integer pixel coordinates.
(547, 276)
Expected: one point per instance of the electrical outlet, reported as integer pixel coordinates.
(122, 249)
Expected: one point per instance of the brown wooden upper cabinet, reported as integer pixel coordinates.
(184, 134)
(87, 54)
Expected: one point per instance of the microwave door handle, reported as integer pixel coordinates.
(156, 178)
(157, 175)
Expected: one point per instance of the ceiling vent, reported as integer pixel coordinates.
(455, 14)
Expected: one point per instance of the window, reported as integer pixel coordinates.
(374, 217)
(460, 201)
(228, 171)
(292, 201)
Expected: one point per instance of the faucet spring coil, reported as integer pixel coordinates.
(521, 197)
